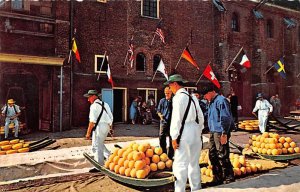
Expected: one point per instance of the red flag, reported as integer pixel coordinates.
(186, 54)
(209, 74)
(243, 60)
(109, 75)
(75, 50)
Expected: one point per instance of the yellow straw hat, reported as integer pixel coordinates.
(10, 101)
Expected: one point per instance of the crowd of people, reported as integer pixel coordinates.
(142, 111)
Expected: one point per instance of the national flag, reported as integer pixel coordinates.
(209, 74)
(75, 50)
(243, 60)
(279, 66)
(130, 54)
(159, 32)
(109, 75)
(162, 68)
(186, 54)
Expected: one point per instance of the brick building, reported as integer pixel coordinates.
(215, 33)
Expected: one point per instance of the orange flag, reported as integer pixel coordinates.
(186, 54)
(75, 50)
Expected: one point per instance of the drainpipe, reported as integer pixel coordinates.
(60, 99)
(71, 60)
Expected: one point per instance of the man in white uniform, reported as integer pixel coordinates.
(11, 113)
(100, 121)
(185, 130)
(264, 109)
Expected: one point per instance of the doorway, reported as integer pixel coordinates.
(24, 89)
(116, 99)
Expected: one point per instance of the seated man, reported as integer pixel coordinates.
(11, 113)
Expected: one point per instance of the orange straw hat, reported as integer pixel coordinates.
(10, 101)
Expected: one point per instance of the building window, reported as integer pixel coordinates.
(150, 8)
(100, 65)
(140, 62)
(2, 3)
(145, 93)
(190, 89)
(156, 60)
(270, 29)
(17, 4)
(235, 22)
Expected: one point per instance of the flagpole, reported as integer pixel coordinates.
(202, 73)
(153, 38)
(154, 75)
(268, 69)
(101, 65)
(179, 59)
(125, 58)
(70, 56)
(234, 59)
(199, 79)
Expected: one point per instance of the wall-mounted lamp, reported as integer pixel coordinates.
(221, 44)
(258, 50)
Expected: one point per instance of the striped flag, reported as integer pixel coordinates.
(109, 76)
(186, 54)
(160, 33)
(75, 50)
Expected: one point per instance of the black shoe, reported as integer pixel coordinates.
(94, 170)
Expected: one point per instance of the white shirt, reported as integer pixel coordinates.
(180, 103)
(95, 110)
(263, 105)
(10, 110)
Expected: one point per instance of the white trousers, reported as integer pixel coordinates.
(186, 159)
(98, 148)
(6, 128)
(263, 119)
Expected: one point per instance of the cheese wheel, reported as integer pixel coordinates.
(11, 152)
(17, 146)
(4, 143)
(6, 147)
(26, 145)
(15, 141)
(23, 150)
(2, 152)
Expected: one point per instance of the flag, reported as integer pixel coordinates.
(108, 73)
(162, 68)
(75, 50)
(130, 54)
(279, 66)
(159, 32)
(186, 54)
(243, 60)
(209, 74)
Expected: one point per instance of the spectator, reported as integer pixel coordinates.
(234, 107)
(164, 111)
(134, 110)
(298, 103)
(277, 107)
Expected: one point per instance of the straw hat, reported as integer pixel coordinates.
(10, 101)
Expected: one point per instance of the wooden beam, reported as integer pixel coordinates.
(29, 59)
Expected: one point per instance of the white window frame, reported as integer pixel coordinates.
(147, 93)
(157, 10)
(190, 89)
(96, 64)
